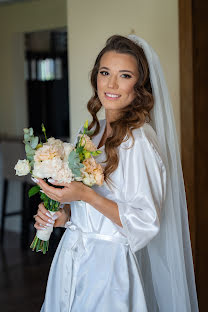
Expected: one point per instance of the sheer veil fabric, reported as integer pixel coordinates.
(166, 263)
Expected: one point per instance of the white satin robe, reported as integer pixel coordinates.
(95, 268)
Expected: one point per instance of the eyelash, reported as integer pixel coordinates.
(105, 73)
(126, 76)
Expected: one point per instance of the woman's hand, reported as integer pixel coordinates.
(44, 219)
(70, 192)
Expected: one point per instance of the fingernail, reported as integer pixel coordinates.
(51, 180)
(51, 221)
(42, 191)
(48, 214)
(42, 228)
(55, 217)
(49, 224)
(34, 180)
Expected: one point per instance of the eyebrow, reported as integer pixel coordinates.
(120, 71)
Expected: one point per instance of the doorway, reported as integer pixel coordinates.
(46, 74)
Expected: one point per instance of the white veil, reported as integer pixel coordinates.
(166, 263)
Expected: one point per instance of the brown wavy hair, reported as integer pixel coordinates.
(132, 116)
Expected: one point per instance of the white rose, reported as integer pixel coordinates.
(22, 167)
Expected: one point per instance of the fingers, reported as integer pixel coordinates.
(52, 192)
(57, 183)
(43, 218)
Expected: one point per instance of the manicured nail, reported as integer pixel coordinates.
(49, 224)
(34, 180)
(48, 214)
(54, 217)
(42, 228)
(42, 191)
(50, 221)
(51, 180)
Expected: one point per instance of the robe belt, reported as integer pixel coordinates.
(81, 236)
(75, 246)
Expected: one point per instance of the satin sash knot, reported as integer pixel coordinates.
(74, 248)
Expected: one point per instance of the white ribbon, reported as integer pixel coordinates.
(45, 234)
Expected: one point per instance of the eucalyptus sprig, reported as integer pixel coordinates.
(31, 143)
(75, 164)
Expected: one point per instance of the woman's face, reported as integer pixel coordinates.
(117, 76)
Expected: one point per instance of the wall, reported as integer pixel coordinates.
(91, 22)
(15, 20)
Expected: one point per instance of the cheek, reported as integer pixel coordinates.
(130, 91)
(100, 84)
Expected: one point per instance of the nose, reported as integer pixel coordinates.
(112, 82)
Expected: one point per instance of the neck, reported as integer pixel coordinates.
(110, 115)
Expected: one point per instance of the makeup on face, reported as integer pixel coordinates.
(116, 79)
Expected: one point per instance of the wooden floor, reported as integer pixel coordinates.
(23, 275)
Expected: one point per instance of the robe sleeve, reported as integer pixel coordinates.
(144, 184)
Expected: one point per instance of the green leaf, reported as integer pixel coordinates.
(31, 159)
(29, 150)
(95, 153)
(89, 132)
(31, 131)
(26, 137)
(79, 149)
(34, 142)
(74, 163)
(34, 190)
(77, 173)
(26, 131)
(87, 154)
(31, 162)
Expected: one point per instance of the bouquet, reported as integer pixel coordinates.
(60, 161)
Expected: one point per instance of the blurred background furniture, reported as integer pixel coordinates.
(10, 153)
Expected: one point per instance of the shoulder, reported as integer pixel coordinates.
(145, 142)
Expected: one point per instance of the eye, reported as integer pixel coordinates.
(126, 76)
(104, 73)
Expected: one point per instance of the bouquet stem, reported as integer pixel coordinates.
(41, 243)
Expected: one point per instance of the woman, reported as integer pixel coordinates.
(123, 249)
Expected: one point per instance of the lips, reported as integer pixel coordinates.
(112, 96)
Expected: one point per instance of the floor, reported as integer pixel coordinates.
(23, 274)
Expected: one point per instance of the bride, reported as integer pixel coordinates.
(126, 247)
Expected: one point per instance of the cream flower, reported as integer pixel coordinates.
(87, 143)
(90, 165)
(53, 168)
(47, 168)
(99, 176)
(93, 172)
(65, 174)
(88, 179)
(22, 167)
(52, 148)
(68, 148)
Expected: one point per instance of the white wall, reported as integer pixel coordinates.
(91, 22)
